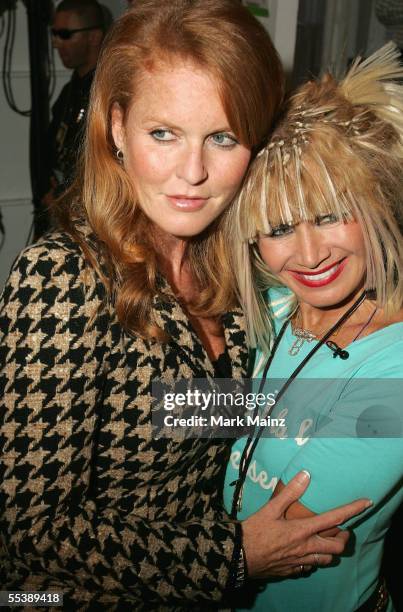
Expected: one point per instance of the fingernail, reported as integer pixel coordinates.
(369, 503)
(307, 474)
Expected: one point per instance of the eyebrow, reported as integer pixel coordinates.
(162, 122)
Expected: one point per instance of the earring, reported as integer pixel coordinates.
(119, 155)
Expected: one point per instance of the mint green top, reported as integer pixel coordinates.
(344, 424)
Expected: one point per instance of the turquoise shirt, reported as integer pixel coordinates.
(343, 422)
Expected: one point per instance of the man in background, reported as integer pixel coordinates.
(78, 30)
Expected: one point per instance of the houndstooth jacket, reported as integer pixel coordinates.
(90, 503)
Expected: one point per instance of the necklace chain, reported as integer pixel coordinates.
(305, 335)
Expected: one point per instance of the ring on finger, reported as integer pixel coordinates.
(301, 569)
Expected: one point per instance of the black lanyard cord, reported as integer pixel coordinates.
(254, 438)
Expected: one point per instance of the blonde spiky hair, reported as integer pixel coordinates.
(337, 149)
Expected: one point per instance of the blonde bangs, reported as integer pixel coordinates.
(288, 188)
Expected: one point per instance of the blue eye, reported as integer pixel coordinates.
(325, 219)
(281, 230)
(162, 135)
(222, 139)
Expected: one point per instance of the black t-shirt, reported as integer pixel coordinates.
(67, 128)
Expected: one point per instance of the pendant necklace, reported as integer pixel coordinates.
(303, 335)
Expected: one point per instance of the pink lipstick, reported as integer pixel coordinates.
(186, 203)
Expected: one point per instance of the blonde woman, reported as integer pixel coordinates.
(316, 222)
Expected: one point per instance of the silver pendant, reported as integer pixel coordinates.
(302, 335)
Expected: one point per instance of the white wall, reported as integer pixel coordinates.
(282, 26)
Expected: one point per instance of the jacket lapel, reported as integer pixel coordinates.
(170, 316)
(235, 340)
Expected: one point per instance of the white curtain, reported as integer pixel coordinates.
(351, 29)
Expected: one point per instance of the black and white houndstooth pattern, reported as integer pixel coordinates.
(90, 503)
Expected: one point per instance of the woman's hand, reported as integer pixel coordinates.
(275, 546)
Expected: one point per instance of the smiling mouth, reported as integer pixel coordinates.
(320, 278)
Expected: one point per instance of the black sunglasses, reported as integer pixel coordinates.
(65, 34)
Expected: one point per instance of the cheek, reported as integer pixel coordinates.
(145, 169)
(230, 175)
(358, 239)
(272, 255)
(80, 50)
(351, 232)
(352, 239)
